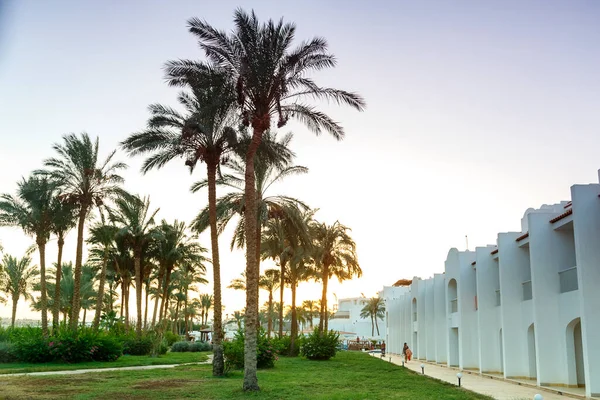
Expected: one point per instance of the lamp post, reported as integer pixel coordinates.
(538, 397)
(459, 376)
(423, 369)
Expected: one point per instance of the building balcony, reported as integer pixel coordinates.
(341, 315)
(527, 291)
(568, 280)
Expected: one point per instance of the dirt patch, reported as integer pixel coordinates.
(165, 383)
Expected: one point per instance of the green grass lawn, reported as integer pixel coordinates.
(124, 361)
(350, 375)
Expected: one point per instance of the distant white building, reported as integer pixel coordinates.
(346, 319)
(526, 308)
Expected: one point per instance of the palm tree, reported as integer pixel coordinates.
(102, 236)
(64, 218)
(270, 79)
(206, 301)
(84, 181)
(269, 281)
(17, 279)
(273, 164)
(374, 309)
(31, 211)
(335, 255)
(134, 219)
(203, 134)
(311, 309)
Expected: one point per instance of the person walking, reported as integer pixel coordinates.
(383, 349)
(406, 352)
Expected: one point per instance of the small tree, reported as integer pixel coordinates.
(374, 309)
(17, 279)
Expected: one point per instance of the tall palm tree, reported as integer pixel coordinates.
(206, 301)
(273, 164)
(64, 218)
(102, 237)
(17, 280)
(335, 255)
(374, 309)
(133, 217)
(202, 134)
(31, 211)
(270, 79)
(84, 181)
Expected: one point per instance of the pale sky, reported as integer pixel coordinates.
(477, 110)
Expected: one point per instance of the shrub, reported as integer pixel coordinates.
(107, 348)
(283, 345)
(31, 346)
(7, 352)
(180, 347)
(171, 338)
(319, 346)
(200, 346)
(72, 346)
(138, 347)
(5, 334)
(234, 351)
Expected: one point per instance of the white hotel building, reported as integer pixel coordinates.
(526, 308)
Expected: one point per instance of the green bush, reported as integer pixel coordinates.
(107, 348)
(5, 334)
(200, 346)
(283, 345)
(180, 347)
(317, 346)
(234, 351)
(31, 346)
(72, 346)
(138, 347)
(171, 338)
(7, 352)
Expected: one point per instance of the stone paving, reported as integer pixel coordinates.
(496, 388)
(95, 370)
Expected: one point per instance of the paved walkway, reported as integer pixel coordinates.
(87, 371)
(496, 388)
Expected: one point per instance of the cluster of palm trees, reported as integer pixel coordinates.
(126, 246)
(251, 82)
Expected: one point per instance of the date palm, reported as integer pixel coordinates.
(204, 134)
(134, 220)
(31, 210)
(85, 181)
(206, 302)
(17, 279)
(270, 80)
(64, 218)
(374, 309)
(312, 309)
(102, 237)
(335, 255)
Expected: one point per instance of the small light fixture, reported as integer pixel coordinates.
(423, 369)
(538, 397)
(459, 376)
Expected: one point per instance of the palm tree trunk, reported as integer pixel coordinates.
(15, 301)
(100, 298)
(65, 318)
(122, 296)
(154, 313)
(147, 292)
(372, 327)
(56, 308)
(281, 289)
(126, 300)
(77, 274)
(376, 325)
(137, 262)
(252, 271)
(323, 316)
(176, 322)
(218, 361)
(270, 319)
(294, 333)
(185, 313)
(165, 296)
(41, 243)
(84, 314)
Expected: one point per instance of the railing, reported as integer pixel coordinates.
(498, 298)
(341, 315)
(454, 306)
(568, 280)
(527, 292)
